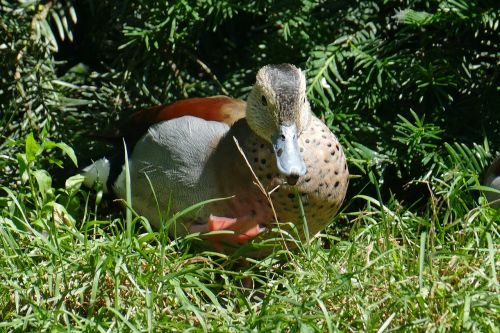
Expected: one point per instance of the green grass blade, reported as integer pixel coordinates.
(421, 261)
(128, 189)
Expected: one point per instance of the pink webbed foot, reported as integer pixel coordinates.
(241, 230)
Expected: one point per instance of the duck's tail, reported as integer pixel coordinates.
(105, 171)
(97, 172)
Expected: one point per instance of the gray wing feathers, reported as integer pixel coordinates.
(176, 156)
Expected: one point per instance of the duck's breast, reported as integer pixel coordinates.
(322, 189)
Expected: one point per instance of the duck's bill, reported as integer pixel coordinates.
(287, 151)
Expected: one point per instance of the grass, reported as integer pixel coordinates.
(381, 268)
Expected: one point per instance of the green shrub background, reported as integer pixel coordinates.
(397, 81)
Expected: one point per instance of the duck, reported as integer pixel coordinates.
(492, 179)
(270, 157)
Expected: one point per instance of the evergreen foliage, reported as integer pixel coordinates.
(399, 79)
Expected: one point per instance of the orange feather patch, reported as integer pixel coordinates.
(218, 108)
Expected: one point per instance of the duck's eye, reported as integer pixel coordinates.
(304, 100)
(264, 101)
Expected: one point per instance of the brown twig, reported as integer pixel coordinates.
(261, 187)
(207, 70)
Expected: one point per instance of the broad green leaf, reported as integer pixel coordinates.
(64, 147)
(74, 183)
(68, 151)
(22, 164)
(44, 181)
(32, 147)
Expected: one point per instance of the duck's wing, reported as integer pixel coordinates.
(221, 109)
(217, 108)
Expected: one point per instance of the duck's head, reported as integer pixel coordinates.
(278, 111)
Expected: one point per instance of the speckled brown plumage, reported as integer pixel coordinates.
(322, 188)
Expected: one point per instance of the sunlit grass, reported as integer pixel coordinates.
(381, 268)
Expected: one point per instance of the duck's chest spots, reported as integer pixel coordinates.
(261, 158)
(321, 190)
